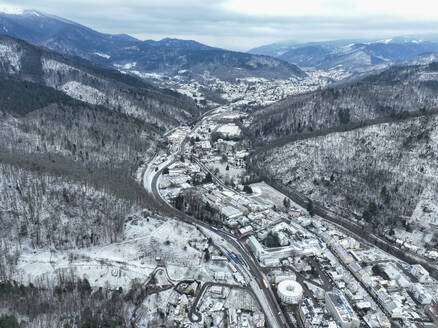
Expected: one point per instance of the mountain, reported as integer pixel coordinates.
(167, 57)
(423, 59)
(280, 48)
(95, 84)
(390, 93)
(67, 183)
(351, 56)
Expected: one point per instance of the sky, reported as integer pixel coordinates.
(245, 24)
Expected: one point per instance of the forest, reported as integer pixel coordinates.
(390, 93)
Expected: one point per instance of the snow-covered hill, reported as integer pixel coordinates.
(386, 173)
(94, 84)
(392, 92)
(351, 57)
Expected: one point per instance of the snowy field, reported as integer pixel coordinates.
(118, 264)
(240, 299)
(268, 194)
(234, 172)
(230, 130)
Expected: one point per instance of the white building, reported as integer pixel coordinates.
(275, 254)
(310, 316)
(259, 319)
(420, 294)
(419, 272)
(232, 317)
(231, 212)
(290, 291)
(220, 276)
(346, 257)
(245, 231)
(255, 246)
(341, 310)
(218, 290)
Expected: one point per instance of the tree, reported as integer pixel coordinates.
(370, 212)
(247, 189)
(179, 202)
(208, 178)
(286, 203)
(272, 240)
(310, 208)
(378, 271)
(227, 168)
(8, 321)
(166, 170)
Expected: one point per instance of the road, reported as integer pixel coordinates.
(264, 295)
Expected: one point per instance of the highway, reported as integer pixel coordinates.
(264, 295)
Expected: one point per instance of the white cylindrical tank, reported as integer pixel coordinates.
(289, 291)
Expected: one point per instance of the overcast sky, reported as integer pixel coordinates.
(244, 24)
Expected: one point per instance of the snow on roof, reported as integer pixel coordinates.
(290, 288)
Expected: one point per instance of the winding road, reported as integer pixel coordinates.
(264, 294)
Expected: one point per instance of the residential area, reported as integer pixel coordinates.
(319, 274)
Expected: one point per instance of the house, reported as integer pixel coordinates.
(419, 272)
(420, 294)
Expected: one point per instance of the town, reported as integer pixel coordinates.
(319, 274)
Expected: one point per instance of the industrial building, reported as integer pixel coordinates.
(341, 310)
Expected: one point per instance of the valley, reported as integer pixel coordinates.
(174, 184)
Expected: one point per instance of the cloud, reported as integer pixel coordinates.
(242, 24)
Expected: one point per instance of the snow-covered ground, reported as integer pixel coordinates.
(83, 92)
(118, 264)
(9, 53)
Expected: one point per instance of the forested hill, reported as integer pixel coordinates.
(67, 180)
(67, 168)
(384, 175)
(389, 93)
(19, 97)
(94, 84)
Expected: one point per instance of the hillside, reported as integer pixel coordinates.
(62, 158)
(79, 237)
(397, 90)
(384, 173)
(95, 84)
(166, 57)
